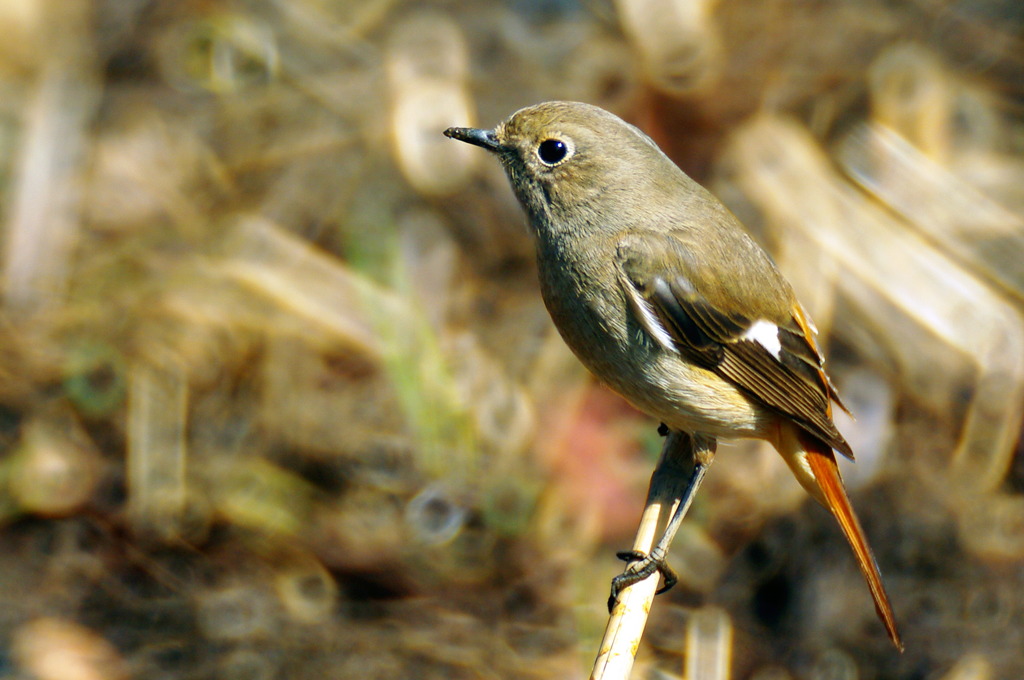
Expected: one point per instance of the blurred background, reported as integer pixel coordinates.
(279, 398)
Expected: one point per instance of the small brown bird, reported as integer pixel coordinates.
(660, 292)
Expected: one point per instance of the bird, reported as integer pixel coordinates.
(662, 294)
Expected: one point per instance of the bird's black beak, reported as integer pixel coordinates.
(484, 138)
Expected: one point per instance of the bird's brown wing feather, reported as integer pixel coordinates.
(710, 328)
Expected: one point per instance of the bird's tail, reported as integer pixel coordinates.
(814, 465)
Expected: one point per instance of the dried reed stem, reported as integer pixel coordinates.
(629, 616)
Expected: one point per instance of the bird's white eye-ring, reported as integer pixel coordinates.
(553, 151)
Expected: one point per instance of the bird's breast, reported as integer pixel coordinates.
(588, 307)
(592, 314)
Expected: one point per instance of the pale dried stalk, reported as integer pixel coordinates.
(626, 624)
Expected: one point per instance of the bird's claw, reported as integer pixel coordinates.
(641, 566)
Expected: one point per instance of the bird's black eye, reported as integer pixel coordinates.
(552, 151)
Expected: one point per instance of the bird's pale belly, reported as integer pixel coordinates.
(688, 398)
(656, 381)
(682, 395)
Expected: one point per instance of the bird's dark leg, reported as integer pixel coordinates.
(667, 483)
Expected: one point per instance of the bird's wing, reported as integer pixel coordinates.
(745, 326)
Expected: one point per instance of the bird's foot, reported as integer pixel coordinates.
(641, 566)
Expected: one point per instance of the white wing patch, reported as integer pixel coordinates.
(648, 319)
(766, 334)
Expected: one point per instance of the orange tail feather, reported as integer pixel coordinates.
(827, 487)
